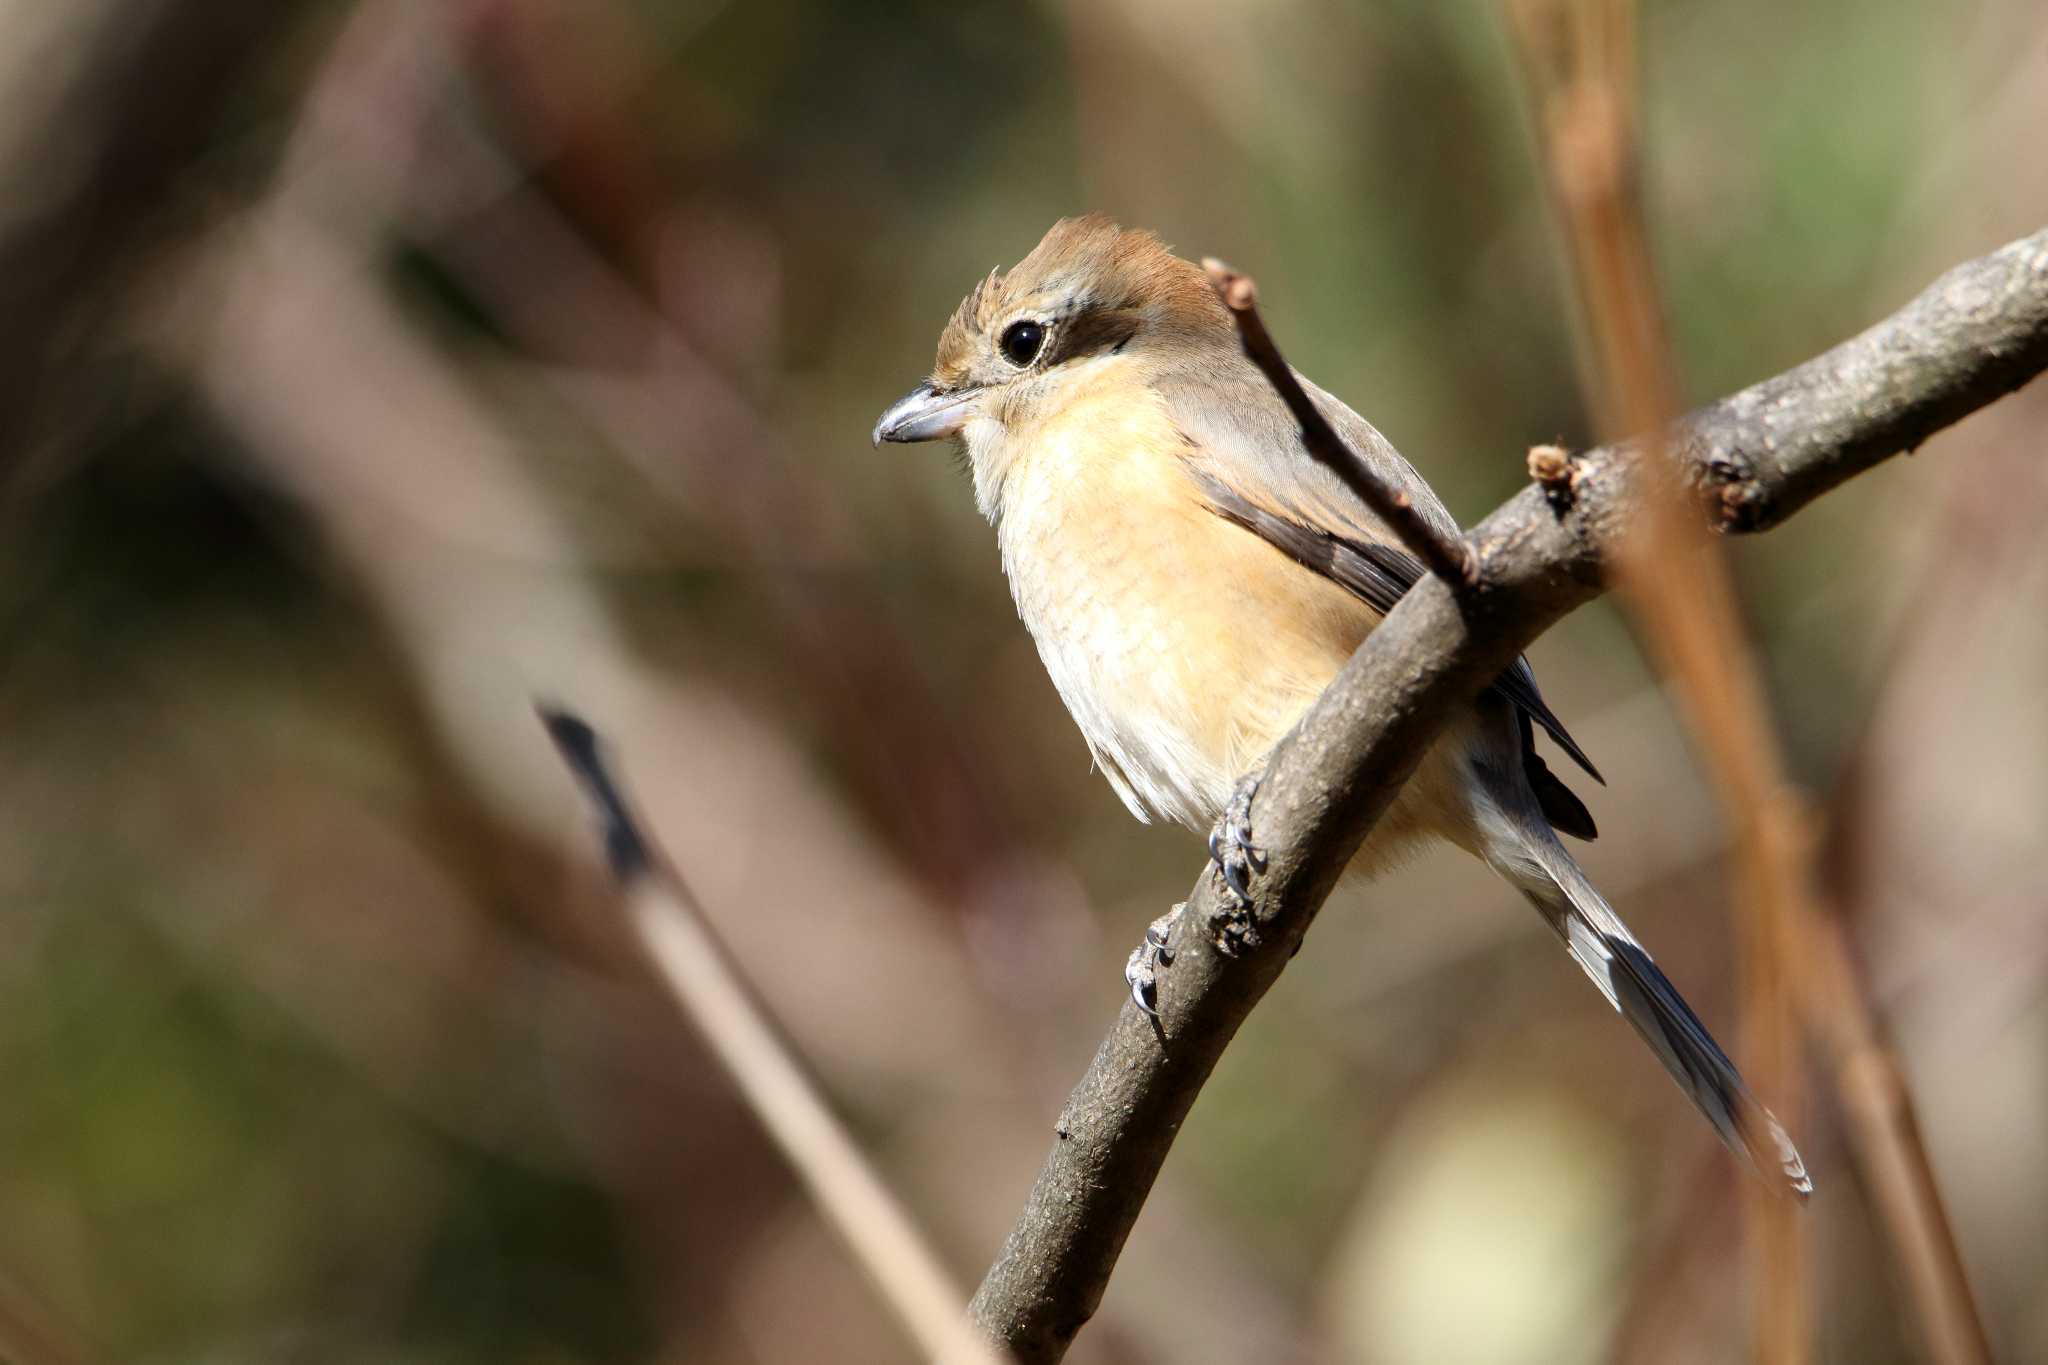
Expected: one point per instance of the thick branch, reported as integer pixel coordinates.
(1975, 335)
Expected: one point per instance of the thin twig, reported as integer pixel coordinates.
(1879, 1106)
(1447, 554)
(1841, 1005)
(1970, 338)
(707, 984)
(1581, 60)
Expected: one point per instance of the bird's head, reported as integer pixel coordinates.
(1022, 340)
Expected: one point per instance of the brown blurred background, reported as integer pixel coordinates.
(368, 369)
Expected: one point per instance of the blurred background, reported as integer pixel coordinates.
(369, 369)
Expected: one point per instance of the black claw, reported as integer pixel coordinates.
(1236, 878)
(1230, 842)
(1238, 831)
(1141, 970)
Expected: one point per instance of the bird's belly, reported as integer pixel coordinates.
(1183, 646)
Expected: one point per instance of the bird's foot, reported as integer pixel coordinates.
(1141, 972)
(1230, 843)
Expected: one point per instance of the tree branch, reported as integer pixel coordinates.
(1975, 335)
(1972, 336)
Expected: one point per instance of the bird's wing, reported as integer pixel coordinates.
(1242, 434)
(1247, 455)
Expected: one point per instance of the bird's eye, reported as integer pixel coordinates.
(1021, 341)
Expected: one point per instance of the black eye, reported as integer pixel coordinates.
(1021, 341)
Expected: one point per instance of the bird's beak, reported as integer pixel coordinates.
(924, 414)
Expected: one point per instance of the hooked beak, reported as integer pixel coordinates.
(924, 414)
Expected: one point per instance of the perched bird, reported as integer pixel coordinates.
(1193, 577)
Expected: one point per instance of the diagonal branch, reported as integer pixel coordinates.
(1448, 556)
(1973, 336)
(707, 986)
(1882, 1123)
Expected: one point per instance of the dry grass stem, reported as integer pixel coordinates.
(705, 982)
(1876, 1101)
(1582, 65)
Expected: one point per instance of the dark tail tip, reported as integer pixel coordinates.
(1651, 1003)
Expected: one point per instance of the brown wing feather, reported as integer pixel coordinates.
(1378, 575)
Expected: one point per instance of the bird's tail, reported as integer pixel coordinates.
(1595, 936)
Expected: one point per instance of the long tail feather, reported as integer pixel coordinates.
(1632, 983)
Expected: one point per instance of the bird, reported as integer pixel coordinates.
(1194, 576)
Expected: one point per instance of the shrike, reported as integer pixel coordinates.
(1194, 577)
